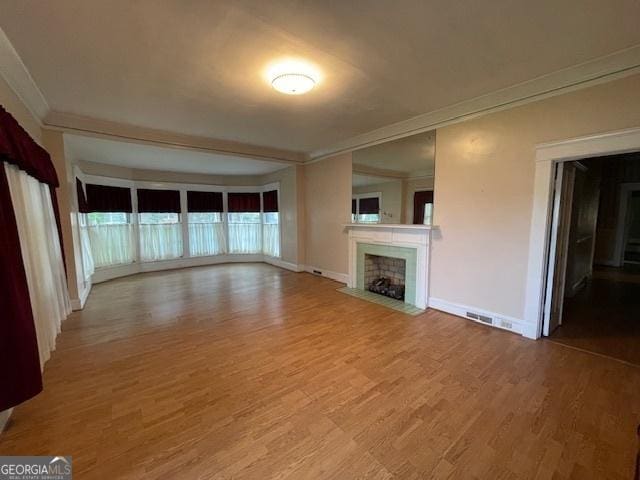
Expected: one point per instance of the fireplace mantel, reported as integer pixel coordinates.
(417, 237)
(390, 226)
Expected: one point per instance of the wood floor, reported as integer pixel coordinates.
(604, 317)
(252, 372)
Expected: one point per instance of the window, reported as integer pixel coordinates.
(159, 224)
(245, 232)
(206, 234)
(244, 223)
(111, 239)
(160, 236)
(365, 208)
(428, 213)
(271, 234)
(206, 228)
(270, 224)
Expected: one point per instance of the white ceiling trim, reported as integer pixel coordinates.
(15, 73)
(117, 131)
(604, 69)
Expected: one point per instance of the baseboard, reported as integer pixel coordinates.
(277, 262)
(78, 303)
(485, 317)
(4, 418)
(338, 277)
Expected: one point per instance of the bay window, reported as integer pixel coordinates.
(270, 224)
(159, 224)
(108, 224)
(206, 226)
(244, 223)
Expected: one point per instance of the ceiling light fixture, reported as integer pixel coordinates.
(293, 83)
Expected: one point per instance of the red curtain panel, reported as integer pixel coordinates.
(270, 201)
(19, 361)
(244, 202)
(204, 202)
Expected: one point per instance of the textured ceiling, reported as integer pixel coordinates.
(198, 67)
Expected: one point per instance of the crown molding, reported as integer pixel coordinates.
(15, 73)
(94, 127)
(604, 69)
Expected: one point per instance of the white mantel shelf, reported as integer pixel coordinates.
(393, 226)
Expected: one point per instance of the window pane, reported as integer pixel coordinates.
(158, 218)
(206, 234)
(247, 217)
(271, 234)
(369, 217)
(428, 213)
(110, 238)
(107, 218)
(245, 232)
(205, 217)
(270, 217)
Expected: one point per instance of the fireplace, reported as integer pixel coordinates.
(385, 275)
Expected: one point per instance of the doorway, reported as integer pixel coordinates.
(592, 299)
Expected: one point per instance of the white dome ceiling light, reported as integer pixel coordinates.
(293, 83)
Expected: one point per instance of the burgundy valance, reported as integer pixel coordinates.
(105, 198)
(244, 202)
(19, 149)
(369, 205)
(202, 202)
(270, 201)
(420, 199)
(83, 206)
(353, 206)
(158, 201)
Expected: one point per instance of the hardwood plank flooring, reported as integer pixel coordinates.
(604, 317)
(251, 372)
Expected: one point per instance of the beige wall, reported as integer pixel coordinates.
(484, 190)
(54, 143)
(290, 212)
(391, 205)
(12, 104)
(327, 194)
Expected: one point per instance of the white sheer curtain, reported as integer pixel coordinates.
(206, 239)
(42, 256)
(111, 244)
(271, 239)
(160, 241)
(245, 237)
(88, 266)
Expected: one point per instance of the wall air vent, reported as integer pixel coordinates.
(507, 325)
(480, 318)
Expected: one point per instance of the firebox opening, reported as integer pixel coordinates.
(385, 275)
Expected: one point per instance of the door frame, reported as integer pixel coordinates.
(626, 189)
(547, 156)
